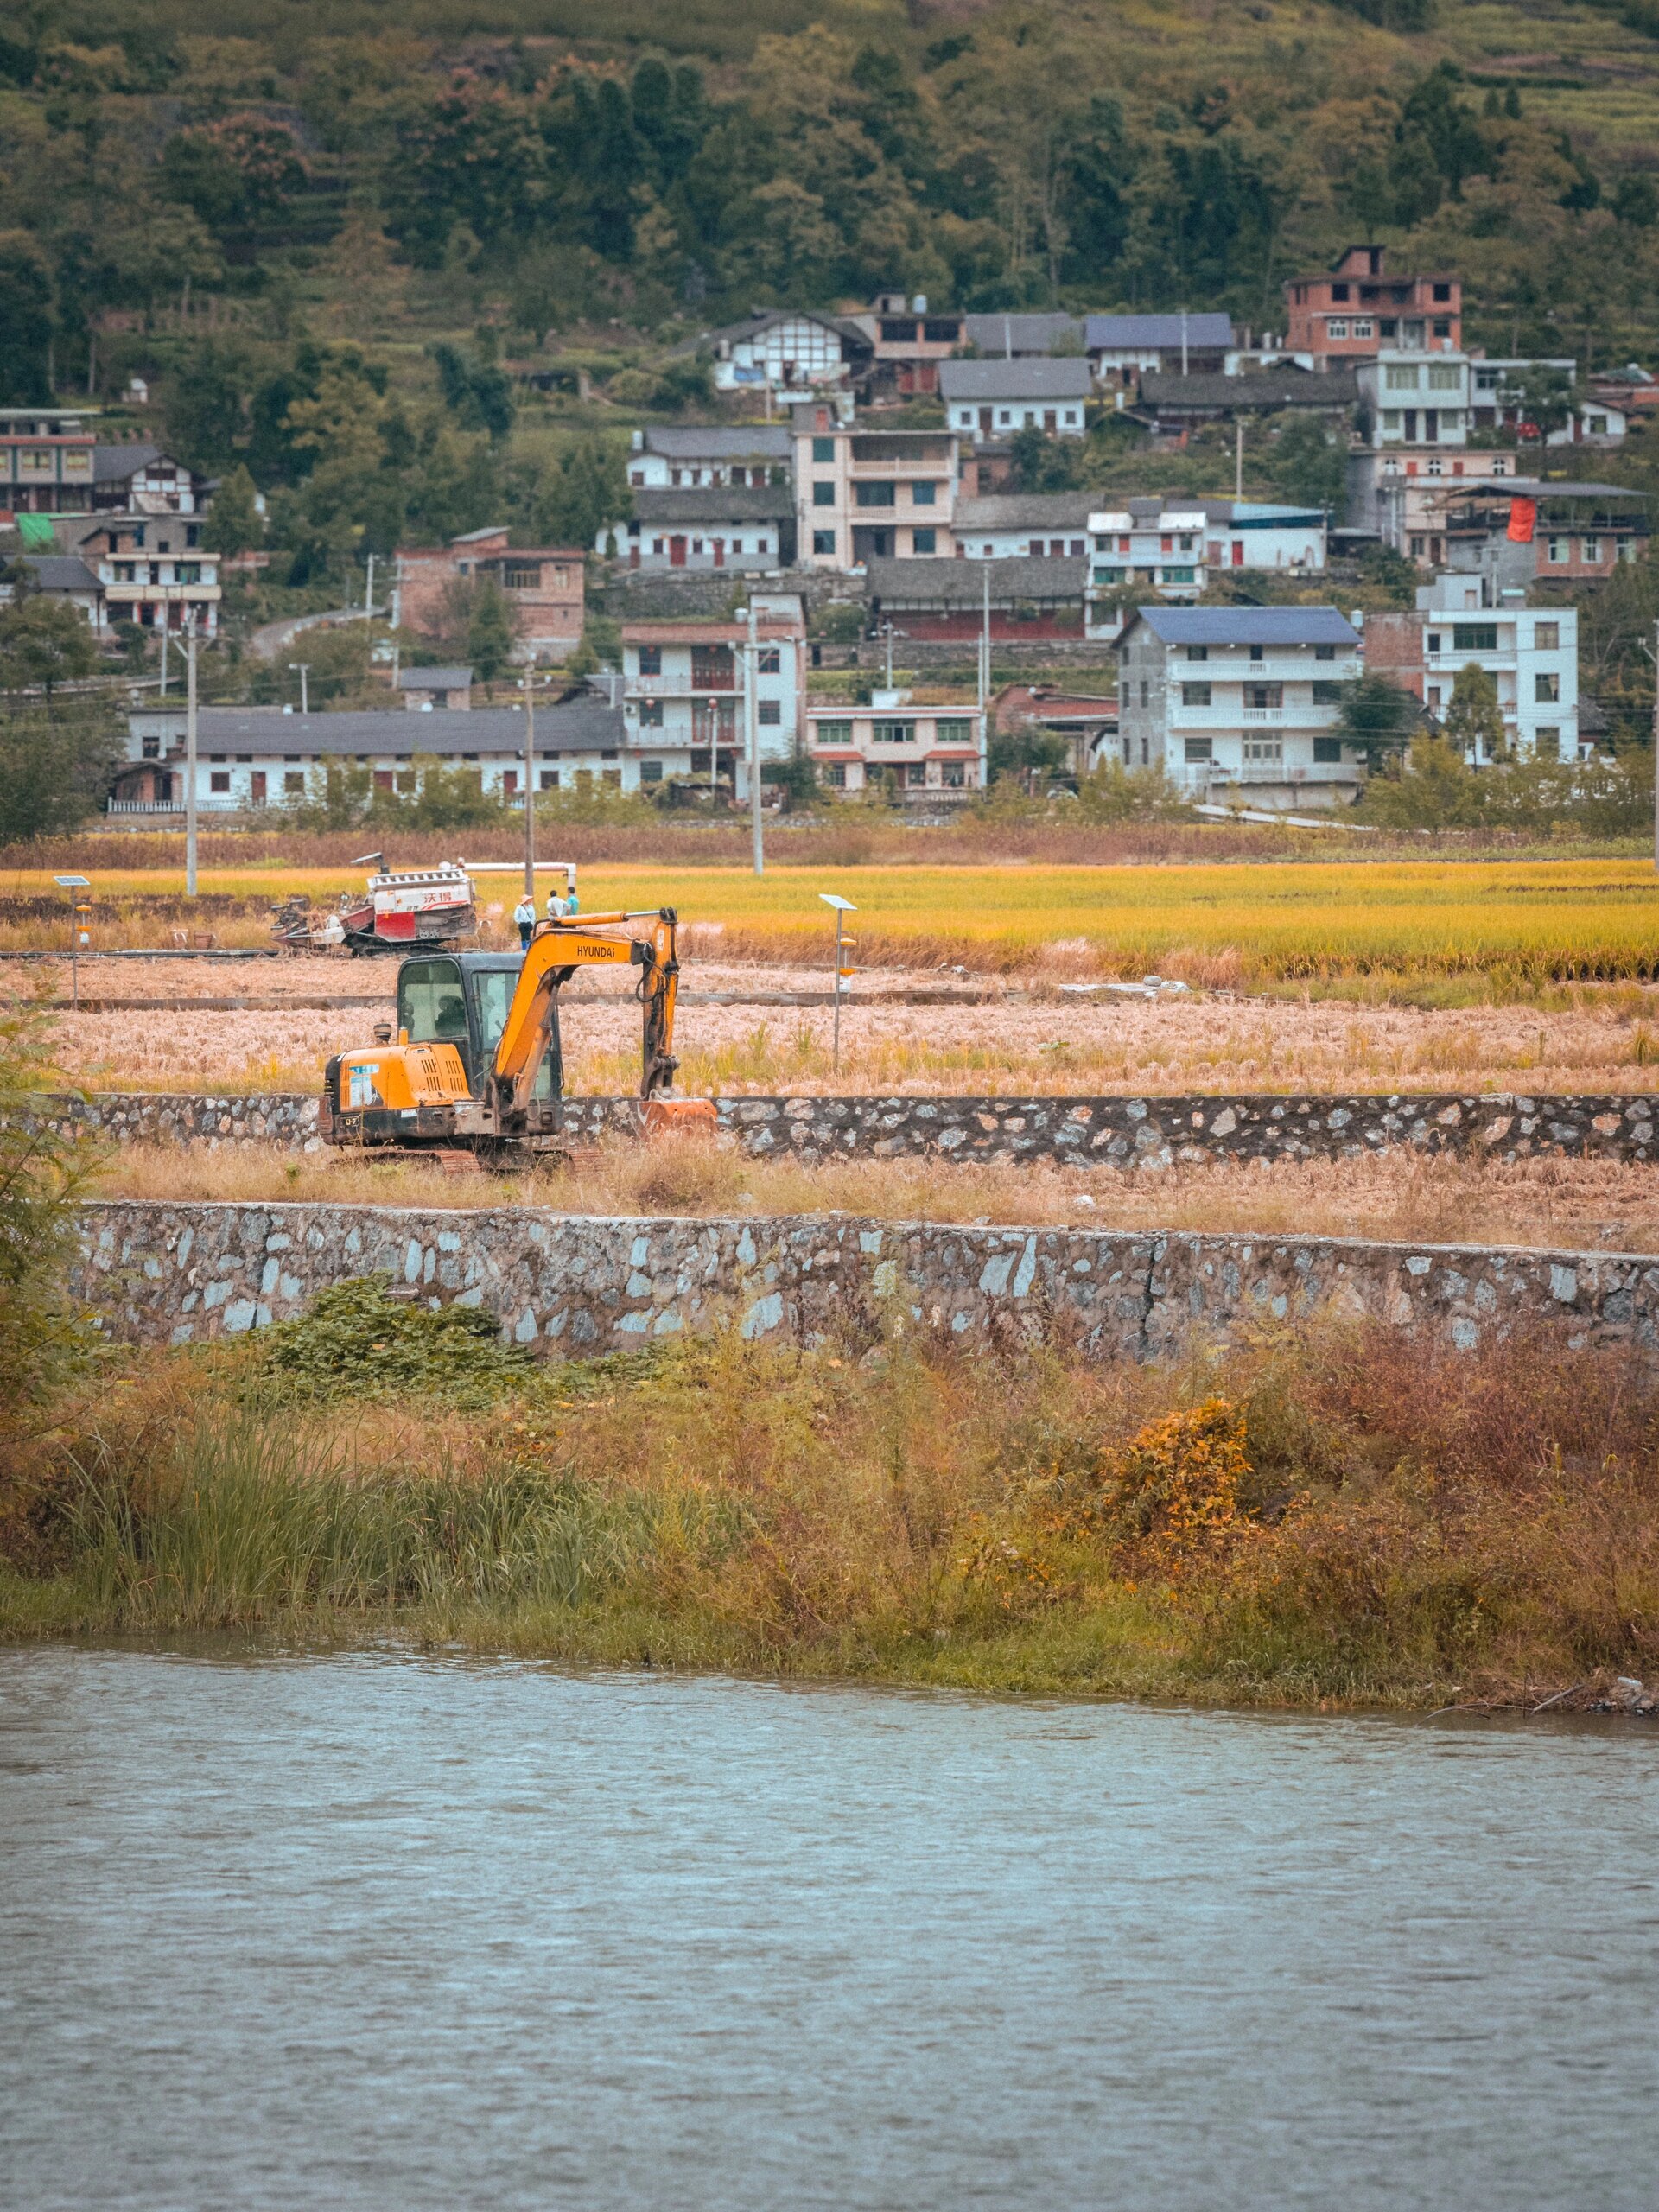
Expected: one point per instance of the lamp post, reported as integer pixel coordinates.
(751, 738)
(842, 906)
(302, 666)
(188, 637)
(79, 908)
(527, 685)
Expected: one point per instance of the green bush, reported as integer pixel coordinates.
(357, 1340)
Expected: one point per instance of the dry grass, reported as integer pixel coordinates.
(1395, 1197)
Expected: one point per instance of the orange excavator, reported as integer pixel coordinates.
(475, 1066)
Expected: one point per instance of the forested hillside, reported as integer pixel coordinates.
(700, 158)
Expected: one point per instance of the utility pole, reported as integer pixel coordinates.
(163, 649)
(302, 666)
(752, 705)
(1238, 457)
(189, 640)
(368, 595)
(1655, 751)
(886, 631)
(1183, 342)
(985, 685)
(529, 786)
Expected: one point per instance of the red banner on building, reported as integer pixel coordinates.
(1523, 517)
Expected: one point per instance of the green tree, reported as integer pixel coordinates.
(584, 492)
(491, 629)
(1308, 466)
(234, 523)
(1378, 720)
(1473, 721)
(1040, 463)
(42, 1175)
(26, 304)
(44, 643)
(1544, 397)
(1438, 789)
(54, 768)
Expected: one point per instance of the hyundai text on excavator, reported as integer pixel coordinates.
(476, 1065)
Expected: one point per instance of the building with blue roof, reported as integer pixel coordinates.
(1240, 703)
(1121, 348)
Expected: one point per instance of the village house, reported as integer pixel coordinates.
(153, 571)
(864, 495)
(1022, 337)
(1174, 406)
(721, 526)
(1029, 600)
(143, 479)
(908, 344)
(1086, 722)
(1359, 307)
(1410, 399)
(1258, 534)
(1398, 493)
(1530, 652)
(436, 690)
(1014, 525)
(1497, 402)
(45, 460)
(994, 399)
(1122, 348)
(545, 585)
(1240, 701)
(249, 759)
(685, 689)
(927, 749)
(786, 351)
(65, 578)
(694, 456)
(1548, 531)
(1149, 542)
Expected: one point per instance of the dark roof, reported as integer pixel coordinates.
(1531, 488)
(1027, 510)
(766, 318)
(1109, 333)
(60, 572)
(710, 441)
(1019, 334)
(114, 464)
(1269, 389)
(1248, 626)
(435, 679)
(961, 584)
(580, 725)
(716, 503)
(1036, 376)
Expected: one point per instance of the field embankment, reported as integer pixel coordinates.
(1343, 1517)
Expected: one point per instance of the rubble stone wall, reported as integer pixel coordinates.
(162, 1273)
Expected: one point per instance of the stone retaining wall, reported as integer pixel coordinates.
(161, 1273)
(1076, 1132)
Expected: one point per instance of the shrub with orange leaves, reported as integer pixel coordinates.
(1173, 1489)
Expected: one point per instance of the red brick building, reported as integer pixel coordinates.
(546, 586)
(1361, 308)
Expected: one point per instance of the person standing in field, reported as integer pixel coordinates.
(557, 905)
(524, 914)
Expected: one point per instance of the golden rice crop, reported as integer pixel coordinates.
(1529, 921)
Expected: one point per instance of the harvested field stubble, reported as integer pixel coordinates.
(1401, 1197)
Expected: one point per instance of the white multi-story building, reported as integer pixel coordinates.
(991, 400)
(787, 350)
(1016, 525)
(154, 570)
(695, 456)
(930, 749)
(1476, 620)
(1240, 699)
(871, 495)
(685, 690)
(1414, 399)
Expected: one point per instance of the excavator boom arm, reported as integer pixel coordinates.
(559, 948)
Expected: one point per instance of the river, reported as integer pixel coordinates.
(377, 1931)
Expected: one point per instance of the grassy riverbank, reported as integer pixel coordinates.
(1344, 1517)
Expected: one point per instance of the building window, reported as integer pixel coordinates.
(1546, 636)
(823, 541)
(1560, 549)
(1474, 637)
(953, 732)
(1004, 417)
(220, 781)
(824, 450)
(1442, 326)
(1146, 691)
(1547, 688)
(1265, 749)
(293, 783)
(651, 772)
(1592, 550)
(832, 734)
(1336, 326)
(923, 495)
(1444, 377)
(824, 495)
(548, 780)
(1262, 696)
(1364, 328)
(1326, 694)
(1258, 652)
(1442, 292)
(1195, 695)
(1071, 417)
(875, 495)
(1198, 752)
(1327, 752)
(651, 660)
(1180, 576)
(1401, 376)
(1109, 576)
(1547, 743)
(521, 575)
(886, 732)
(923, 541)
(1324, 652)
(713, 669)
(1197, 652)
(771, 660)
(770, 713)
(650, 713)
(834, 773)
(954, 775)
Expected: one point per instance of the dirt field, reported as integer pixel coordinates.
(1588, 1038)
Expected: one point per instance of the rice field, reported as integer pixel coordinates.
(1517, 924)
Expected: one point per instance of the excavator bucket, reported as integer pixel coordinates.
(677, 1117)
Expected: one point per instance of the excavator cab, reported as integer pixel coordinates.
(461, 999)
